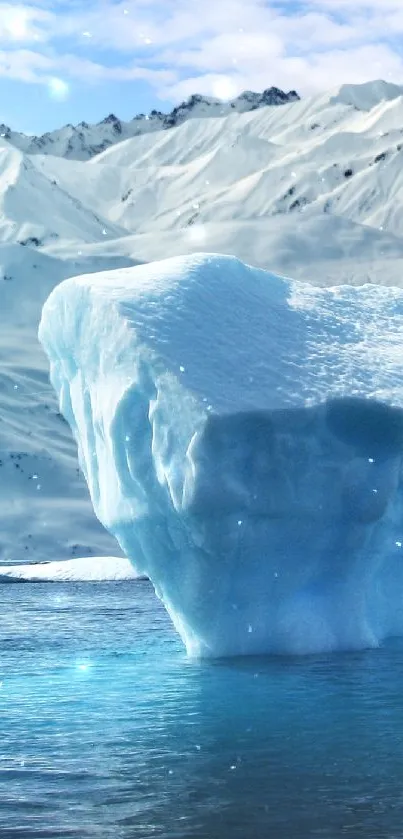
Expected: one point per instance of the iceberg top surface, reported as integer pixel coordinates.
(234, 336)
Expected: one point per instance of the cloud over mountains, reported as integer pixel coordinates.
(231, 47)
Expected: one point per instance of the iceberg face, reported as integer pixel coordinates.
(242, 436)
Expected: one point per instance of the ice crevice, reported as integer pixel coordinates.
(241, 435)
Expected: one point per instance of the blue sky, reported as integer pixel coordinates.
(71, 60)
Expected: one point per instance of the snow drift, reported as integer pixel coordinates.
(242, 435)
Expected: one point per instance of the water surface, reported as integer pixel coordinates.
(108, 731)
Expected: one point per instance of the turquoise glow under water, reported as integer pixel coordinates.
(107, 730)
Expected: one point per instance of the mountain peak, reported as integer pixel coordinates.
(367, 95)
(111, 119)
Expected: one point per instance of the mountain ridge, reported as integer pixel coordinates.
(84, 140)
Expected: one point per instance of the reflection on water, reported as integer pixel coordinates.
(107, 730)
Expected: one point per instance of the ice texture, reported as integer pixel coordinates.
(242, 436)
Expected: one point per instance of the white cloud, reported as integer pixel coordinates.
(22, 23)
(178, 49)
(25, 65)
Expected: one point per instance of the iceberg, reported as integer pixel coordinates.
(241, 435)
(86, 569)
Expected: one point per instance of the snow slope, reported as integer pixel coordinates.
(312, 190)
(35, 210)
(45, 510)
(242, 437)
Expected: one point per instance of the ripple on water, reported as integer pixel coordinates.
(108, 731)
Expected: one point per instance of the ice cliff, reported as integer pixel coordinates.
(242, 437)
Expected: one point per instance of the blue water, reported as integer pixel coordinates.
(107, 730)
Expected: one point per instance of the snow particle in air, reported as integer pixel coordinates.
(58, 88)
(196, 234)
(224, 88)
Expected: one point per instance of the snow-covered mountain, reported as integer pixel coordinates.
(313, 190)
(43, 497)
(83, 141)
(34, 209)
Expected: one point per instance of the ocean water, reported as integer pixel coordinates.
(108, 731)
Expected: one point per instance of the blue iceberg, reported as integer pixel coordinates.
(241, 435)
